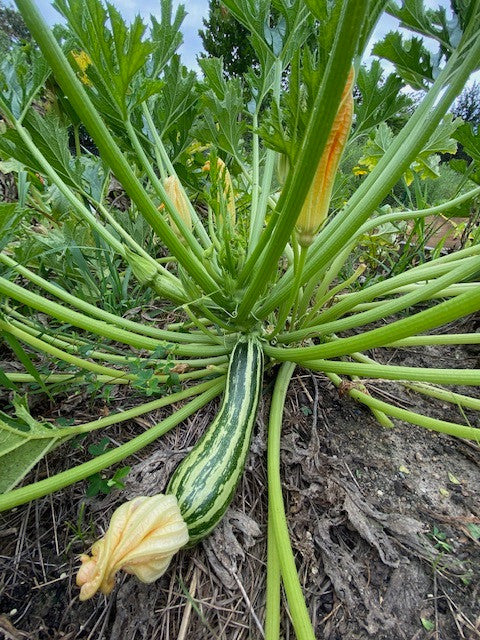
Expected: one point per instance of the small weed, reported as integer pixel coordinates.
(101, 483)
(427, 624)
(439, 539)
(81, 530)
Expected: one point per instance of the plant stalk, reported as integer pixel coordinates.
(296, 601)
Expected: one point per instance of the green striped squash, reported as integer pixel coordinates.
(205, 481)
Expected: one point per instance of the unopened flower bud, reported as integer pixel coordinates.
(174, 192)
(283, 168)
(228, 194)
(143, 536)
(144, 270)
(315, 207)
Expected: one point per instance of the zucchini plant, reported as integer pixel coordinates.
(234, 220)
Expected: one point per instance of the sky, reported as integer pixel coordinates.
(196, 10)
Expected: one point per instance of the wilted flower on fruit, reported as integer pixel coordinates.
(315, 207)
(143, 536)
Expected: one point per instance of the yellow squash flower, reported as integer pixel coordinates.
(83, 61)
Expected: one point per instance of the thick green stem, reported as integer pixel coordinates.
(73, 345)
(283, 315)
(91, 309)
(162, 194)
(350, 301)
(122, 416)
(160, 147)
(327, 322)
(256, 224)
(316, 136)
(326, 275)
(131, 242)
(272, 612)
(390, 307)
(420, 322)
(45, 347)
(255, 176)
(319, 302)
(451, 428)
(446, 396)
(296, 601)
(420, 213)
(452, 290)
(396, 372)
(55, 378)
(82, 471)
(391, 167)
(443, 338)
(106, 329)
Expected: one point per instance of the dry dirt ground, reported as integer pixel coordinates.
(385, 526)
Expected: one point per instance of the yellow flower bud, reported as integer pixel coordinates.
(315, 207)
(228, 193)
(143, 536)
(174, 192)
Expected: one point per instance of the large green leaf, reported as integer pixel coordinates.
(23, 442)
(222, 123)
(411, 59)
(50, 136)
(178, 96)
(470, 140)
(379, 99)
(166, 35)
(427, 160)
(22, 76)
(413, 15)
(283, 127)
(116, 53)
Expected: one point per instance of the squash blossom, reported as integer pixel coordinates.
(143, 536)
(83, 61)
(315, 207)
(174, 192)
(226, 179)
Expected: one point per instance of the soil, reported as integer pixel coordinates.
(385, 525)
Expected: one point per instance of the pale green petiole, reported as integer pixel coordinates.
(82, 471)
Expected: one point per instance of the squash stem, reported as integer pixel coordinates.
(80, 472)
(296, 601)
(272, 613)
(433, 424)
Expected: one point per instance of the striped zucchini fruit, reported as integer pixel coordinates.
(205, 481)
